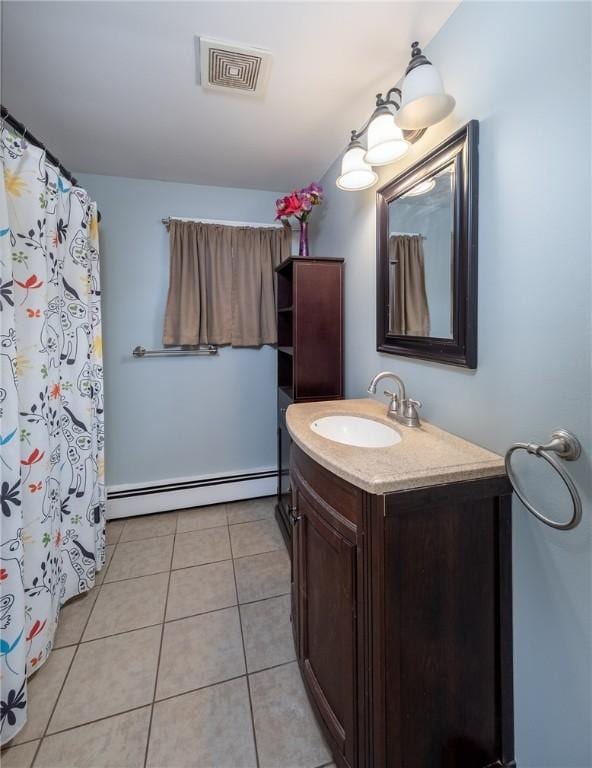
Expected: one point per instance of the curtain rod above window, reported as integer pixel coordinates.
(168, 219)
(408, 234)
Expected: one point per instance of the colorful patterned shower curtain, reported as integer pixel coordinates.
(52, 494)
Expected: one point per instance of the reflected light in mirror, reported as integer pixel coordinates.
(355, 172)
(421, 188)
(385, 140)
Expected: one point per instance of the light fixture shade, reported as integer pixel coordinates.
(385, 140)
(356, 174)
(424, 101)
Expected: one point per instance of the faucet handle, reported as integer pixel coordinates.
(410, 414)
(394, 405)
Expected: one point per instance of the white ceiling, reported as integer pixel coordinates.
(111, 87)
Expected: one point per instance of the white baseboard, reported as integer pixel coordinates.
(165, 495)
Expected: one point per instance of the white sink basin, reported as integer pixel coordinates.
(357, 431)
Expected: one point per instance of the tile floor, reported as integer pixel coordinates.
(181, 656)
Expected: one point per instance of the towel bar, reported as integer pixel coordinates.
(209, 349)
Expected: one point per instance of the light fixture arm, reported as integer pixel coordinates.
(380, 103)
(384, 104)
(389, 98)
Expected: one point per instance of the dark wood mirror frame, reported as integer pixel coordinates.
(461, 149)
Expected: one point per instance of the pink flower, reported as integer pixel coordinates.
(288, 206)
(306, 201)
(299, 203)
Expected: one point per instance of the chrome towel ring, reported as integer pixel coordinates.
(566, 446)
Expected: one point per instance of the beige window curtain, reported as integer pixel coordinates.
(409, 312)
(222, 284)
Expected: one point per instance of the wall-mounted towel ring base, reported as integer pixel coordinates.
(565, 445)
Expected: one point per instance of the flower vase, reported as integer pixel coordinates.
(303, 248)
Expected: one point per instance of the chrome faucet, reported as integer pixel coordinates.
(401, 408)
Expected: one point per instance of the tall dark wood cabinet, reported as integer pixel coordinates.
(402, 618)
(310, 350)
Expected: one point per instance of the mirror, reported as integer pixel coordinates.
(421, 229)
(427, 255)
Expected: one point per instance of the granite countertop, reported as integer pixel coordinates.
(425, 456)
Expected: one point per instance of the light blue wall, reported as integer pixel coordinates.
(169, 418)
(523, 70)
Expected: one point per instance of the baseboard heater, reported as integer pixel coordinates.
(166, 495)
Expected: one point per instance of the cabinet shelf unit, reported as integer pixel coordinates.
(309, 352)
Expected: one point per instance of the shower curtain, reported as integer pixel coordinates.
(408, 300)
(52, 494)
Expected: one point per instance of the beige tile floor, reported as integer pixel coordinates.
(180, 657)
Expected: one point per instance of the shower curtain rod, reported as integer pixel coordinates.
(23, 131)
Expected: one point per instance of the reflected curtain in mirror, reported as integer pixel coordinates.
(408, 304)
(222, 284)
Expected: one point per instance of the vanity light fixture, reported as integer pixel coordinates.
(421, 103)
(356, 173)
(385, 139)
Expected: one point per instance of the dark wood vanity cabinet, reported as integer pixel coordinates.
(326, 550)
(402, 610)
(310, 350)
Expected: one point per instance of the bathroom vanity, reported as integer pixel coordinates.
(401, 593)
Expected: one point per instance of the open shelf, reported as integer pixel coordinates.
(287, 391)
(286, 373)
(285, 334)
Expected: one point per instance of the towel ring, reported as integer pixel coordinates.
(566, 446)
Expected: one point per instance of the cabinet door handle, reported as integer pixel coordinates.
(294, 515)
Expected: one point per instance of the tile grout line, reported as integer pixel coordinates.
(177, 531)
(166, 600)
(265, 552)
(195, 565)
(152, 573)
(80, 725)
(165, 698)
(99, 588)
(177, 618)
(240, 621)
(63, 685)
(149, 704)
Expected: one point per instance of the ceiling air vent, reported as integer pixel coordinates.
(233, 67)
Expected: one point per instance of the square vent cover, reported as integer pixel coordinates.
(234, 67)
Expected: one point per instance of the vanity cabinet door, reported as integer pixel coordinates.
(326, 599)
